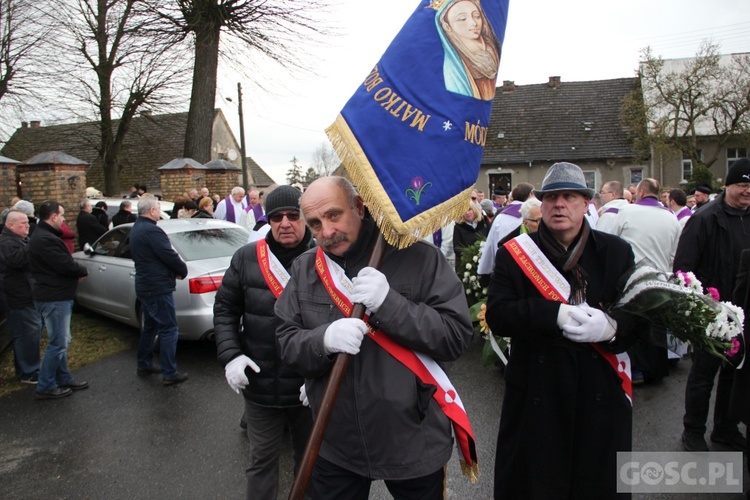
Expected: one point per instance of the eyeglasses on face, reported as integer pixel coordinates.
(279, 216)
(535, 221)
(605, 192)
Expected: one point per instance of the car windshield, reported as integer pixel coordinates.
(208, 243)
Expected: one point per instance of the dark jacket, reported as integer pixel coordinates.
(14, 259)
(385, 423)
(739, 406)
(101, 216)
(88, 228)
(123, 217)
(54, 271)
(705, 248)
(245, 323)
(202, 214)
(464, 235)
(156, 262)
(564, 413)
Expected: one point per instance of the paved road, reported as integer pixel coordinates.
(131, 438)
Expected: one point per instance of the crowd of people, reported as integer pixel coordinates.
(554, 256)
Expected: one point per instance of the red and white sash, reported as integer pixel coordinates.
(553, 286)
(339, 288)
(273, 272)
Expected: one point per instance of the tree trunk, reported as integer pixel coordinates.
(201, 114)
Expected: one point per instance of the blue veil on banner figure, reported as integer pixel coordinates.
(412, 135)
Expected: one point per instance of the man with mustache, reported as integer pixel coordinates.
(387, 422)
(565, 411)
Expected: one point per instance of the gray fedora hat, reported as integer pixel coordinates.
(564, 176)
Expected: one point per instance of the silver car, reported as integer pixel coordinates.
(205, 245)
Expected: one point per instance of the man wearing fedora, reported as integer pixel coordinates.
(566, 411)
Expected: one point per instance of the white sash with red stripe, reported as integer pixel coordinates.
(553, 286)
(273, 272)
(339, 287)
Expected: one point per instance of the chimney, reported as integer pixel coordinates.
(554, 82)
(508, 86)
(24, 124)
(35, 123)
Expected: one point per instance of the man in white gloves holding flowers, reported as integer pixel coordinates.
(245, 328)
(567, 407)
(387, 422)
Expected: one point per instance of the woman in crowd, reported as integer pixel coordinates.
(472, 228)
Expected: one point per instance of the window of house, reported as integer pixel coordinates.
(636, 175)
(734, 154)
(590, 176)
(687, 169)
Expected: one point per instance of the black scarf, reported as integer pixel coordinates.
(567, 260)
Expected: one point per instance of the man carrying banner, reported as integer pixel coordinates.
(393, 415)
(567, 408)
(245, 327)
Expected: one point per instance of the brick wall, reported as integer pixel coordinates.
(65, 184)
(221, 182)
(8, 184)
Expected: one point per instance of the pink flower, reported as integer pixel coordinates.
(684, 276)
(713, 292)
(735, 347)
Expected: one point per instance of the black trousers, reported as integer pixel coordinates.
(698, 389)
(331, 482)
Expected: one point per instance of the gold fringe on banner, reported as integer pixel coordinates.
(395, 231)
(470, 471)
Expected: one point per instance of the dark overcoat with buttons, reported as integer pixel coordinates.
(565, 415)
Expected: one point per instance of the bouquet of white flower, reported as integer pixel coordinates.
(678, 302)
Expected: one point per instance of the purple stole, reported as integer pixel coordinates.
(685, 212)
(650, 201)
(230, 209)
(514, 210)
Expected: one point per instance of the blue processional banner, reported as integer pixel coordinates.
(412, 135)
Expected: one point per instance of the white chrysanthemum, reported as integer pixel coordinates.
(473, 278)
(468, 266)
(466, 274)
(476, 258)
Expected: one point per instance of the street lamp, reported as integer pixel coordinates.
(243, 153)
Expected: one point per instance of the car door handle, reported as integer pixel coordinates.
(102, 268)
(132, 275)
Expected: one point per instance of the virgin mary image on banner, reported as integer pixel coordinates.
(472, 51)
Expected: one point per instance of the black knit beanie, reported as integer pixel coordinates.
(739, 172)
(282, 198)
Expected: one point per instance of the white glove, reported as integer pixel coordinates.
(235, 372)
(344, 335)
(303, 396)
(595, 325)
(563, 316)
(370, 288)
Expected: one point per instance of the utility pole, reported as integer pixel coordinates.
(243, 151)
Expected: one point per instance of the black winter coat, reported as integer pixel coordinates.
(14, 260)
(54, 270)
(88, 227)
(705, 248)
(564, 414)
(464, 235)
(123, 217)
(244, 295)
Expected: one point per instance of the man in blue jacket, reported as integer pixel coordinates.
(157, 266)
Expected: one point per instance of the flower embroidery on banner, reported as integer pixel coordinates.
(417, 188)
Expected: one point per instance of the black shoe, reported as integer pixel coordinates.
(734, 440)
(76, 385)
(149, 371)
(693, 442)
(177, 379)
(33, 380)
(56, 393)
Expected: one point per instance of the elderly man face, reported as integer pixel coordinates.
(533, 220)
(193, 194)
(562, 212)
(254, 198)
(17, 223)
(204, 192)
(335, 224)
(238, 194)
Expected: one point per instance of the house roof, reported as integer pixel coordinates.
(55, 158)
(548, 122)
(260, 177)
(5, 160)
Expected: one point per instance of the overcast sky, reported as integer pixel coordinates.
(578, 40)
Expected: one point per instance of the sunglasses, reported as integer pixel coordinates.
(278, 217)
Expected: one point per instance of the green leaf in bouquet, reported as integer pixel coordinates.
(489, 358)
